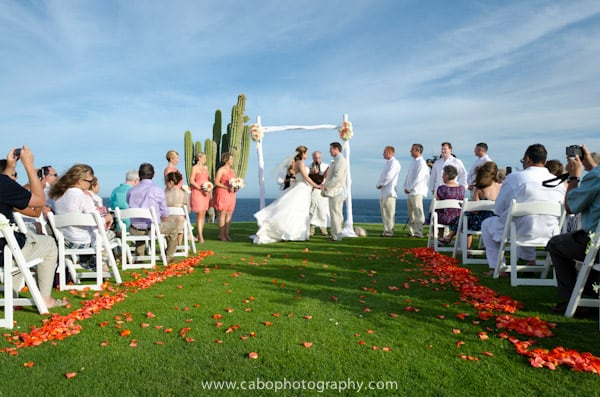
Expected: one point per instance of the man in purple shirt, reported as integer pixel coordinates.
(148, 195)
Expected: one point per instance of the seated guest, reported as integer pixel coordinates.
(583, 197)
(450, 189)
(15, 197)
(523, 186)
(147, 195)
(176, 197)
(48, 176)
(71, 196)
(118, 197)
(486, 187)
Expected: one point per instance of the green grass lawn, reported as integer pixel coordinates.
(316, 312)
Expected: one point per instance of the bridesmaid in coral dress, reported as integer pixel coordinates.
(173, 158)
(224, 197)
(201, 192)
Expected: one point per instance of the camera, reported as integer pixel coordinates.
(17, 153)
(574, 151)
(508, 169)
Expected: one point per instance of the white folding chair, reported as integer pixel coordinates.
(590, 262)
(128, 258)
(68, 258)
(184, 248)
(28, 224)
(463, 232)
(511, 242)
(14, 256)
(190, 227)
(435, 225)
(8, 301)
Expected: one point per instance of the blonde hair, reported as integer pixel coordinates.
(198, 156)
(170, 154)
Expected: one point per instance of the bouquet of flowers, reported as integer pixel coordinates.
(346, 131)
(207, 186)
(237, 183)
(256, 132)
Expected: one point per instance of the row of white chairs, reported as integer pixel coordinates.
(511, 242)
(69, 258)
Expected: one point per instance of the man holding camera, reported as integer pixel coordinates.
(15, 197)
(523, 186)
(583, 197)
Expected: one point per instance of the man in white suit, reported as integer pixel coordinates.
(334, 187)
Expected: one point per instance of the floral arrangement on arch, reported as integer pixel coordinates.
(237, 183)
(346, 131)
(207, 186)
(256, 132)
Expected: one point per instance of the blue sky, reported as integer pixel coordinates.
(117, 83)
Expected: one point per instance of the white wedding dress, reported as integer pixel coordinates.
(288, 217)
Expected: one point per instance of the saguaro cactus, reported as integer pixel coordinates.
(235, 140)
(188, 154)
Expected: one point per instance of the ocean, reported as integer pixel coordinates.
(363, 210)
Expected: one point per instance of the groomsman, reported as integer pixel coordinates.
(387, 186)
(415, 186)
(334, 188)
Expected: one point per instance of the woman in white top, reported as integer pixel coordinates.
(71, 195)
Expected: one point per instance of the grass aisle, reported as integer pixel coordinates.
(360, 312)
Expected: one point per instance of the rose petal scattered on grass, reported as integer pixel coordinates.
(70, 375)
(253, 355)
(307, 344)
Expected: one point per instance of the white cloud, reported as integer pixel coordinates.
(117, 83)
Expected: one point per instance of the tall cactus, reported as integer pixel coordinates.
(216, 134)
(236, 130)
(211, 149)
(188, 154)
(244, 153)
(235, 140)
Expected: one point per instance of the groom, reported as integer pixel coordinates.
(334, 189)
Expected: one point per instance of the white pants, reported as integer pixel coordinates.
(388, 213)
(44, 247)
(492, 245)
(416, 215)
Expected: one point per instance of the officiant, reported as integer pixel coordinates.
(319, 206)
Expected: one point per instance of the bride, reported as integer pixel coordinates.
(288, 217)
